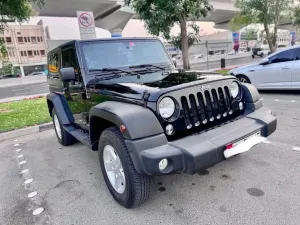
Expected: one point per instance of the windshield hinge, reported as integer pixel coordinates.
(145, 97)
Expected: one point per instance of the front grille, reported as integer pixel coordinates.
(207, 106)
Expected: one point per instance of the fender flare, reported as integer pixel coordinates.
(251, 97)
(62, 109)
(139, 121)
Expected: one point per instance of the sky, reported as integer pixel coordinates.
(137, 27)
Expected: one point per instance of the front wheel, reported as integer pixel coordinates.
(62, 135)
(243, 79)
(126, 185)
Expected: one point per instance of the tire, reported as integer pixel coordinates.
(262, 55)
(243, 79)
(253, 56)
(137, 186)
(64, 138)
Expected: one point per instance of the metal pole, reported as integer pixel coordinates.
(207, 66)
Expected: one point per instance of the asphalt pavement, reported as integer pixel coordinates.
(42, 88)
(260, 186)
(24, 90)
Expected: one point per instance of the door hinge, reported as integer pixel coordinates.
(145, 97)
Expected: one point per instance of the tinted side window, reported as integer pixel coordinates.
(284, 56)
(69, 58)
(297, 54)
(53, 63)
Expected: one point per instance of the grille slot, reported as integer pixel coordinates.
(186, 113)
(193, 110)
(205, 107)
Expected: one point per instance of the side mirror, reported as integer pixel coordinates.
(67, 74)
(265, 61)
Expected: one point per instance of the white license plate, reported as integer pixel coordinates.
(243, 145)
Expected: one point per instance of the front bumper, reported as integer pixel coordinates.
(200, 151)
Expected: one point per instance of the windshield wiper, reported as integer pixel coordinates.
(112, 70)
(148, 65)
(116, 72)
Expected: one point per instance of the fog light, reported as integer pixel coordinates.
(162, 165)
(241, 105)
(170, 129)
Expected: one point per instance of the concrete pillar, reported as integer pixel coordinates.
(22, 71)
(115, 33)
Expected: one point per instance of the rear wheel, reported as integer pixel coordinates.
(243, 79)
(262, 55)
(62, 135)
(126, 185)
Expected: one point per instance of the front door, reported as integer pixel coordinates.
(296, 71)
(75, 90)
(278, 73)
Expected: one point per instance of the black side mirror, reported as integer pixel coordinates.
(67, 74)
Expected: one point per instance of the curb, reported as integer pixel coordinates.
(25, 131)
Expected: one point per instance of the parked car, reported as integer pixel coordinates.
(8, 76)
(280, 70)
(198, 56)
(144, 117)
(37, 73)
(261, 52)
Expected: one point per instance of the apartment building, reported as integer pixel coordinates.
(26, 47)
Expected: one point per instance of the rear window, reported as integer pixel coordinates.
(123, 53)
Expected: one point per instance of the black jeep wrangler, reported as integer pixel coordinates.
(124, 98)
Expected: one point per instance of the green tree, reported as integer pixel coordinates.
(161, 15)
(296, 16)
(193, 37)
(16, 10)
(266, 12)
(239, 21)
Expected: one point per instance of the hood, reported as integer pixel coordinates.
(242, 69)
(154, 84)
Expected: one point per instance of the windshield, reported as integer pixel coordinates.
(123, 53)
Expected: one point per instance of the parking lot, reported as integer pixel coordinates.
(259, 187)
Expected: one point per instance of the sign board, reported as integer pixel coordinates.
(86, 24)
(293, 38)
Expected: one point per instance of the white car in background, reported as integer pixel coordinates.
(278, 71)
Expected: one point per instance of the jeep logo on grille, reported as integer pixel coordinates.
(204, 87)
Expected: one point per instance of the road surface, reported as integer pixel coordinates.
(257, 187)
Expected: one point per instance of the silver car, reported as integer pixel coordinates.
(278, 71)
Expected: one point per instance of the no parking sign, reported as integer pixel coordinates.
(86, 24)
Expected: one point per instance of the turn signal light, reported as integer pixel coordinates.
(122, 128)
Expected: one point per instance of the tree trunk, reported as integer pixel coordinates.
(269, 38)
(184, 44)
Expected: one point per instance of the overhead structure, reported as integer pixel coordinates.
(108, 14)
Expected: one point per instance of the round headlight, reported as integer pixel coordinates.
(234, 89)
(166, 107)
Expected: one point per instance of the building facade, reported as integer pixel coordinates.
(26, 47)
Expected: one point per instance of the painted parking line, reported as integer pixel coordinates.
(28, 185)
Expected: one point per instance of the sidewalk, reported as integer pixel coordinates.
(23, 81)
